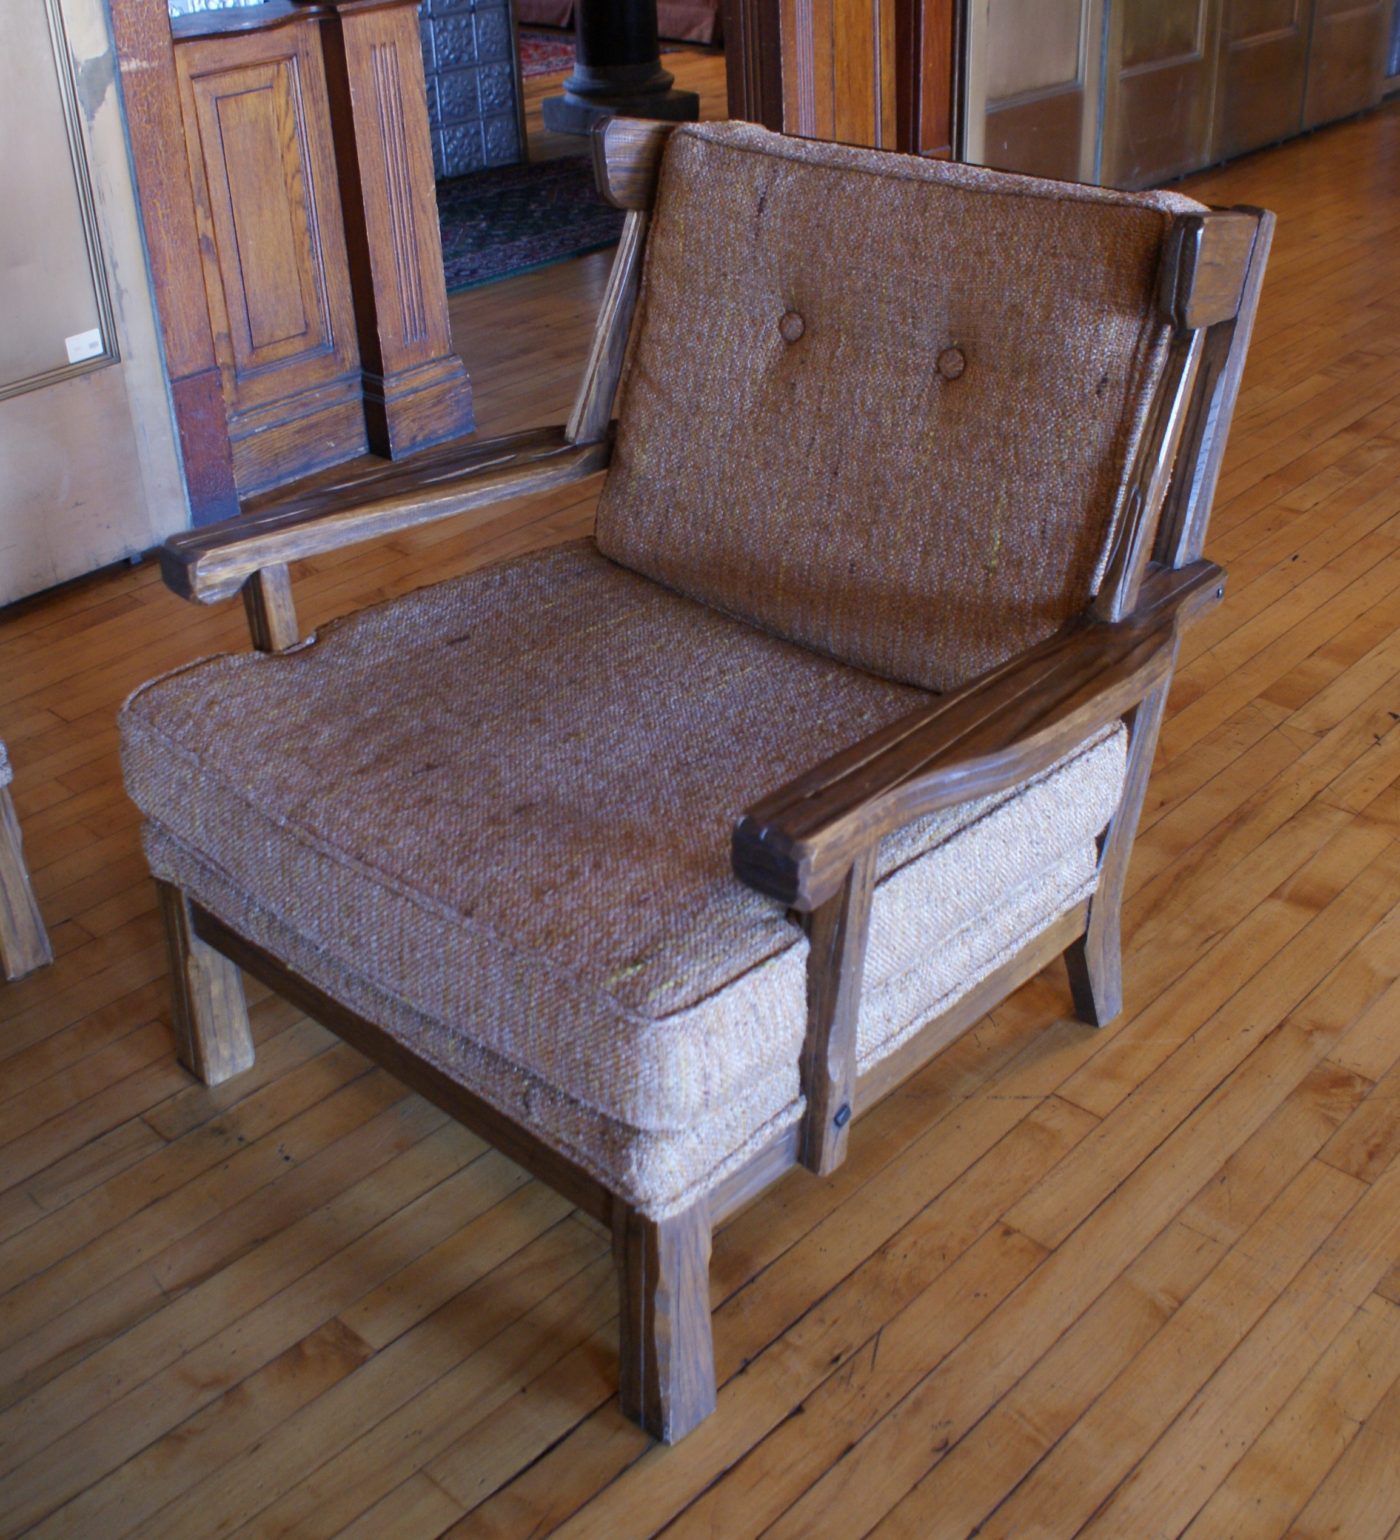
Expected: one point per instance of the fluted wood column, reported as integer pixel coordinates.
(416, 389)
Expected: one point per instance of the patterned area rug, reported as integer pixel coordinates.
(515, 218)
(544, 52)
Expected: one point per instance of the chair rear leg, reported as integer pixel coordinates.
(666, 1377)
(1095, 961)
(24, 943)
(210, 1014)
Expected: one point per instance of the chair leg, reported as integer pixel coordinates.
(24, 944)
(666, 1377)
(1095, 961)
(210, 1015)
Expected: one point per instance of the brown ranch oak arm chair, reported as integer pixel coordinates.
(657, 857)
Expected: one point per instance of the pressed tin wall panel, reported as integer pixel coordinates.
(474, 107)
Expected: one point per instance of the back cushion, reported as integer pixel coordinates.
(879, 405)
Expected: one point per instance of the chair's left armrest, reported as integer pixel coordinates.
(213, 562)
(798, 843)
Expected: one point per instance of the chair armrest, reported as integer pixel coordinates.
(213, 562)
(798, 843)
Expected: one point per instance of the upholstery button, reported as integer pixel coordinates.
(791, 326)
(951, 363)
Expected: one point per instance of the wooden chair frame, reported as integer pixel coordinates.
(812, 843)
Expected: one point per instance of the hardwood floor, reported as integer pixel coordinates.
(1142, 1282)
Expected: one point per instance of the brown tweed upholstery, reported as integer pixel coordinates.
(493, 816)
(850, 489)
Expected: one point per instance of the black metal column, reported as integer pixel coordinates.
(618, 71)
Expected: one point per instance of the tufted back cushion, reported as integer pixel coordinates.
(879, 405)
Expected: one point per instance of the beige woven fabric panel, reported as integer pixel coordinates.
(789, 448)
(660, 1170)
(508, 798)
(967, 899)
(494, 816)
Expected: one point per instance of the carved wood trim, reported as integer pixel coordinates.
(753, 61)
(151, 102)
(416, 389)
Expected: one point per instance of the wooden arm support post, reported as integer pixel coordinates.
(814, 843)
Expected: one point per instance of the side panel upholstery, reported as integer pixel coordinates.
(883, 406)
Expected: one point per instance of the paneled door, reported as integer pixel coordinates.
(267, 206)
(1347, 58)
(1033, 86)
(86, 440)
(1159, 92)
(1263, 70)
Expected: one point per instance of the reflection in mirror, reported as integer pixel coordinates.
(53, 292)
(191, 7)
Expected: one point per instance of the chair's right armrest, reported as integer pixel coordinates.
(798, 843)
(214, 562)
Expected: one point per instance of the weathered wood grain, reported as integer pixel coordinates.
(212, 563)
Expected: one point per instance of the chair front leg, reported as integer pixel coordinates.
(24, 944)
(1095, 961)
(666, 1378)
(209, 1012)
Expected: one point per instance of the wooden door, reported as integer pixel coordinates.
(267, 202)
(1263, 69)
(1347, 58)
(1159, 103)
(1033, 86)
(86, 440)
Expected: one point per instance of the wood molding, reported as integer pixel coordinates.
(867, 72)
(753, 61)
(276, 278)
(416, 389)
(151, 103)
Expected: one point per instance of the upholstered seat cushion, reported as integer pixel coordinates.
(494, 817)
